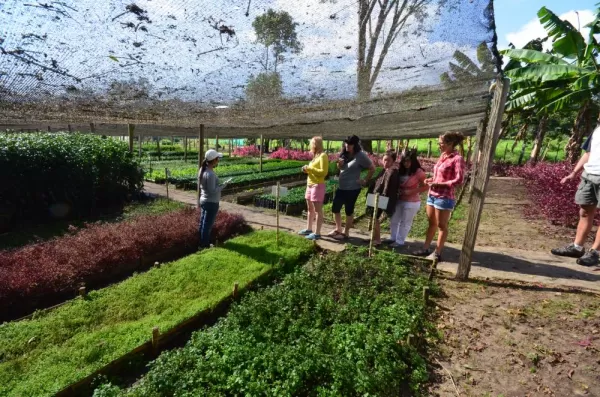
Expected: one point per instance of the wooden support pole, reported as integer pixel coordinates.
(200, 156)
(277, 213)
(68, 128)
(236, 287)
(379, 146)
(140, 141)
(185, 148)
(130, 130)
(260, 159)
(158, 146)
(481, 179)
(49, 129)
(328, 145)
(230, 145)
(217, 143)
(375, 207)
(479, 137)
(429, 149)
(92, 128)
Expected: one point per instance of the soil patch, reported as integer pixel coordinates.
(503, 339)
(504, 224)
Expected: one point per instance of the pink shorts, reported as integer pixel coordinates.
(315, 193)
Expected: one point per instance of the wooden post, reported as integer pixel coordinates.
(155, 337)
(429, 149)
(185, 147)
(158, 147)
(167, 181)
(200, 155)
(82, 292)
(481, 179)
(277, 211)
(328, 142)
(260, 162)
(230, 145)
(92, 128)
(375, 207)
(68, 128)
(140, 141)
(426, 295)
(479, 138)
(379, 146)
(217, 143)
(49, 129)
(236, 287)
(130, 130)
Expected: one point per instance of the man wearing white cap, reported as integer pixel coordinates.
(210, 195)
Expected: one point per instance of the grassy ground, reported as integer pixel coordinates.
(45, 354)
(30, 234)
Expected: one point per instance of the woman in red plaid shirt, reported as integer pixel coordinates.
(448, 173)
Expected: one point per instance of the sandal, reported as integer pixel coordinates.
(340, 237)
(422, 252)
(333, 233)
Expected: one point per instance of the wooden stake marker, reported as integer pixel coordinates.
(155, 338)
(277, 213)
(426, 295)
(167, 181)
(375, 207)
(235, 290)
(82, 292)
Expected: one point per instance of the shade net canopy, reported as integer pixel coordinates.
(282, 68)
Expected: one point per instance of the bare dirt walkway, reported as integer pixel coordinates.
(509, 247)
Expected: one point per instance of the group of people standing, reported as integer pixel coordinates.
(401, 182)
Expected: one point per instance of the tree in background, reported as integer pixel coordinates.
(564, 80)
(276, 31)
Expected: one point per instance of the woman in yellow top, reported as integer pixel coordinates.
(315, 188)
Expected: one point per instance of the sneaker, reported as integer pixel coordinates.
(590, 258)
(313, 236)
(569, 250)
(434, 256)
(395, 245)
(422, 252)
(387, 241)
(305, 232)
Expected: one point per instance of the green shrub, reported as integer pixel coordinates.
(63, 175)
(335, 328)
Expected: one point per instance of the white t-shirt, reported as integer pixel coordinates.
(592, 145)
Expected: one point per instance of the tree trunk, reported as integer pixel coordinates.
(520, 135)
(539, 139)
(580, 129)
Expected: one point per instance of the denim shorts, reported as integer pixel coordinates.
(441, 203)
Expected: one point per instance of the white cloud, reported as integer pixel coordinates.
(534, 29)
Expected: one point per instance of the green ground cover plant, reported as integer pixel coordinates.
(336, 327)
(41, 356)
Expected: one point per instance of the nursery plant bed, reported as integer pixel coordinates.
(52, 351)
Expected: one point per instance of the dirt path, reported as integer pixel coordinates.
(510, 340)
(521, 262)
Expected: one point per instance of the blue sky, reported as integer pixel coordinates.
(512, 16)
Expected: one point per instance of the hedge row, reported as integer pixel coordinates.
(337, 327)
(60, 175)
(40, 275)
(39, 357)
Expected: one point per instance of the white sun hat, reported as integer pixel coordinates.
(212, 154)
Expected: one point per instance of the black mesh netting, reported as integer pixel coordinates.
(380, 68)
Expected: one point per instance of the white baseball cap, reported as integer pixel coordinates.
(212, 154)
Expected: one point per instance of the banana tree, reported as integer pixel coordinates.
(565, 79)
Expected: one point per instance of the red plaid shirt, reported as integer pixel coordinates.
(449, 171)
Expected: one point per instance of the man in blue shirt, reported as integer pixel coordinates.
(588, 198)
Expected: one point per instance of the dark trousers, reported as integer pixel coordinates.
(207, 220)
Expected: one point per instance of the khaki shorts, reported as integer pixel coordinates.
(588, 191)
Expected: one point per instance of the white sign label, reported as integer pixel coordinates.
(283, 191)
(383, 201)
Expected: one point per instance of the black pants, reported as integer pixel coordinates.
(346, 198)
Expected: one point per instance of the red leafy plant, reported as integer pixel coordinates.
(43, 274)
(246, 151)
